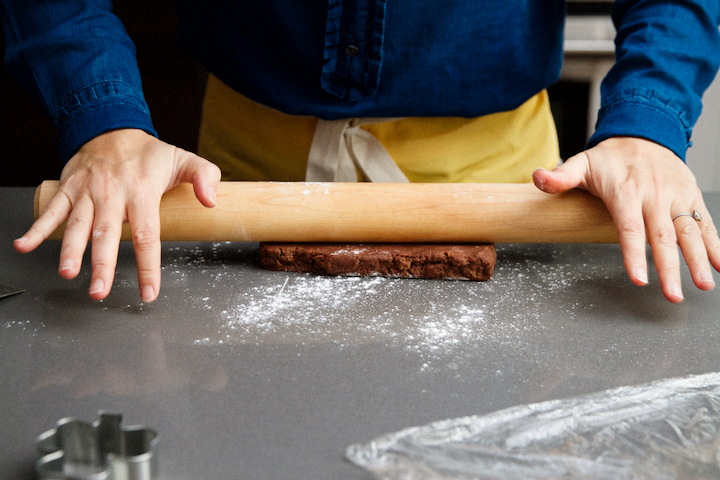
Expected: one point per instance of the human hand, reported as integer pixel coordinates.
(644, 185)
(119, 176)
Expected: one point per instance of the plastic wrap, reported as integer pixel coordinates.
(667, 429)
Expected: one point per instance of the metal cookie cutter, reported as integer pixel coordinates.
(77, 450)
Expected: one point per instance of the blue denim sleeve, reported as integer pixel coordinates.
(77, 62)
(667, 55)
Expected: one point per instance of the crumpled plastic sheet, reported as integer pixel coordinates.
(669, 429)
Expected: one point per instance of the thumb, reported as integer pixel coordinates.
(204, 175)
(572, 173)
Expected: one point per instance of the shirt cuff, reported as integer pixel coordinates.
(644, 114)
(98, 109)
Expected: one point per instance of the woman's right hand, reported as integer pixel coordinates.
(119, 176)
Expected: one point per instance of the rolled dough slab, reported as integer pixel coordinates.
(435, 261)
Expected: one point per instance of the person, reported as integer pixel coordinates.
(324, 67)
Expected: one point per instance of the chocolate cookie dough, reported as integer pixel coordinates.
(438, 261)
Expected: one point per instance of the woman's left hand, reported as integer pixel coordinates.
(644, 185)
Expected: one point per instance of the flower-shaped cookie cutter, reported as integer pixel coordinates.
(103, 450)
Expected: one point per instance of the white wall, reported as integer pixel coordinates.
(703, 157)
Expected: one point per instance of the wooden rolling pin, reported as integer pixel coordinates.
(377, 212)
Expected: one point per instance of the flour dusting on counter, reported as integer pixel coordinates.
(249, 305)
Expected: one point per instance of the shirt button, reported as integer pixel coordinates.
(352, 50)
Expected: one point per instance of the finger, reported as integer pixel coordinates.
(694, 251)
(663, 241)
(204, 176)
(106, 233)
(54, 215)
(76, 238)
(144, 220)
(710, 237)
(631, 236)
(571, 174)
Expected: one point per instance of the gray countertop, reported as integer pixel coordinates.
(254, 374)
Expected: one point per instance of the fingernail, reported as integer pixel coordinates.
(213, 195)
(538, 182)
(147, 293)
(676, 291)
(67, 265)
(21, 240)
(97, 286)
(707, 277)
(642, 275)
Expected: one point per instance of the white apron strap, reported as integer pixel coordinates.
(340, 148)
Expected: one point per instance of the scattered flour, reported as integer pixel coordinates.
(224, 298)
(247, 305)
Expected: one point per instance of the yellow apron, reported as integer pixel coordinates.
(250, 141)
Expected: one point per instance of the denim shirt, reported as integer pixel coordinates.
(368, 58)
